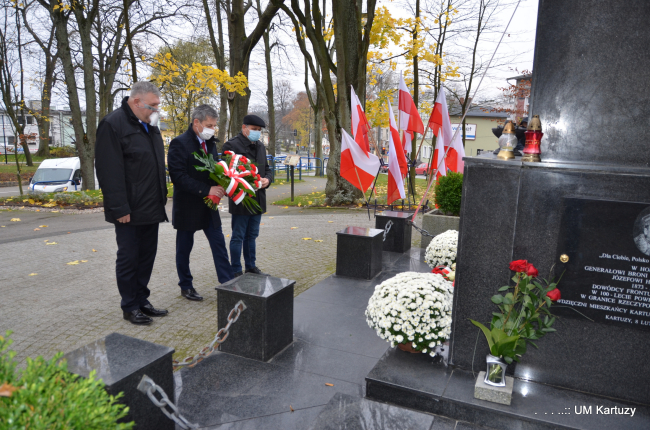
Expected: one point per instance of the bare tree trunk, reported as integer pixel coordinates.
(43, 120)
(129, 42)
(269, 92)
(23, 138)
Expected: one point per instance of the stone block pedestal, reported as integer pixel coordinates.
(358, 252)
(120, 361)
(265, 327)
(437, 224)
(398, 238)
(502, 395)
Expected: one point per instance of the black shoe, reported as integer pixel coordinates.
(149, 310)
(191, 294)
(255, 270)
(137, 317)
(238, 274)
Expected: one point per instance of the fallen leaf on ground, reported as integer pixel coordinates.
(227, 235)
(31, 201)
(271, 217)
(261, 223)
(291, 408)
(2, 226)
(68, 232)
(310, 202)
(306, 238)
(330, 221)
(318, 240)
(329, 385)
(33, 274)
(94, 250)
(73, 263)
(6, 390)
(51, 243)
(38, 210)
(299, 204)
(293, 228)
(53, 211)
(84, 261)
(25, 201)
(36, 229)
(286, 207)
(14, 220)
(49, 205)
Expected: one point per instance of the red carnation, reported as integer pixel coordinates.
(554, 295)
(244, 159)
(214, 199)
(531, 271)
(242, 168)
(519, 265)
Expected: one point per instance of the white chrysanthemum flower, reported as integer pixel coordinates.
(442, 249)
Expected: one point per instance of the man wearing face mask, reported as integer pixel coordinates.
(190, 213)
(245, 225)
(130, 165)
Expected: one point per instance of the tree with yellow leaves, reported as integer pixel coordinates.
(187, 81)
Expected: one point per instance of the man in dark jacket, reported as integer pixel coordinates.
(130, 164)
(190, 212)
(245, 225)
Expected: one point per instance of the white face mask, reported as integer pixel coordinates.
(207, 133)
(154, 118)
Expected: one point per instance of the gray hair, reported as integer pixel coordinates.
(203, 112)
(144, 87)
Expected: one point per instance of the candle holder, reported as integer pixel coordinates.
(507, 142)
(534, 135)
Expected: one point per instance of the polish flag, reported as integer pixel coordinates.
(409, 118)
(360, 126)
(438, 160)
(397, 165)
(438, 121)
(357, 167)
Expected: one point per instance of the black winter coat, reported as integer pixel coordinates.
(130, 165)
(190, 186)
(256, 152)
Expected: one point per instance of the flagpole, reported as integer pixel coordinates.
(422, 141)
(361, 188)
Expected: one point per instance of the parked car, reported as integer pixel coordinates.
(421, 169)
(56, 175)
(384, 168)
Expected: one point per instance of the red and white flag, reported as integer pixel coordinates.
(438, 159)
(409, 118)
(357, 167)
(397, 165)
(360, 125)
(438, 121)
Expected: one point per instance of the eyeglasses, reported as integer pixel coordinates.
(151, 108)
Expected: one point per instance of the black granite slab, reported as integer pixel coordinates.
(265, 327)
(409, 380)
(356, 413)
(120, 362)
(398, 238)
(590, 113)
(359, 252)
(225, 388)
(513, 211)
(295, 420)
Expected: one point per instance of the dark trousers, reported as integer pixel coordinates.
(245, 229)
(184, 244)
(136, 252)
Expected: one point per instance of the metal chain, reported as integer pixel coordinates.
(219, 338)
(148, 387)
(389, 224)
(421, 230)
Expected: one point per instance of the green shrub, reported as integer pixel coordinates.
(63, 151)
(46, 396)
(448, 192)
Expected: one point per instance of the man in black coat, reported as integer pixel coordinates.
(246, 225)
(190, 212)
(130, 164)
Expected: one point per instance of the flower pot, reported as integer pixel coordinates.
(436, 224)
(408, 347)
(495, 374)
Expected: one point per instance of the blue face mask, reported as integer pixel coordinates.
(254, 135)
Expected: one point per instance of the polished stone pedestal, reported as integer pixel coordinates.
(398, 238)
(358, 252)
(120, 361)
(483, 391)
(265, 327)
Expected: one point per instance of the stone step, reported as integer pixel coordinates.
(420, 382)
(356, 413)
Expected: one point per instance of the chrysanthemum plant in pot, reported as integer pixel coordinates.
(523, 317)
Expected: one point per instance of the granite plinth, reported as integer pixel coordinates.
(502, 395)
(513, 210)
(398, 238)
(265, 327)
(580, 109)
(121, 361)
(413, 381)
(436, 224)
(359, 252)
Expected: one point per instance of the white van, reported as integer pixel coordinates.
(56, 175)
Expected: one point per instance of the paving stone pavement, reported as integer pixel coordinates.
(61, 307)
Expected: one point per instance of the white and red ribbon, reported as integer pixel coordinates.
(237, 177)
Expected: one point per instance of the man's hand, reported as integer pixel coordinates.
(265, 182)
(124, 219)
(217, 191)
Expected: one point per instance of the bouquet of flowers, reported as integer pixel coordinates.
(442, 249)
(236, 174)
(412, 309)
(523, 315)
(449, 273)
